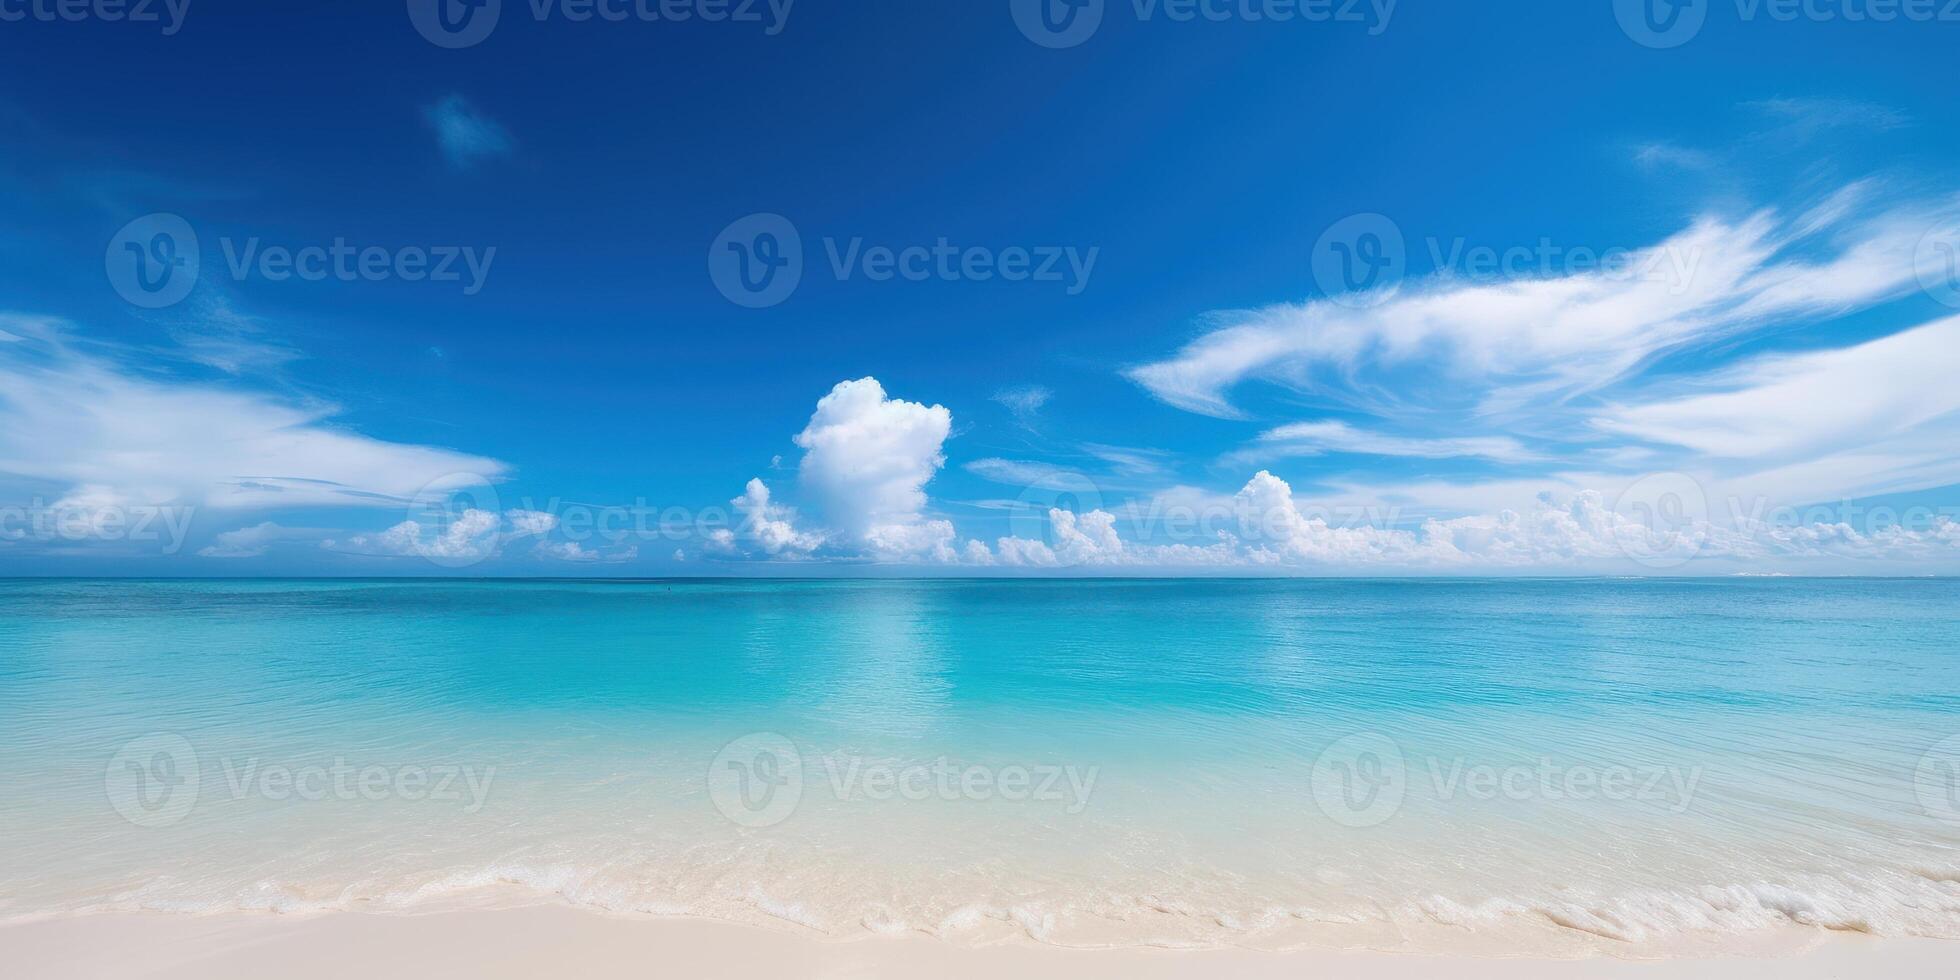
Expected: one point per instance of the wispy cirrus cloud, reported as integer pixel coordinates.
(1806, 116)
(1800, 405)
(1520, 344)
(1024, 401)
(466, 136)
(1130, 460)
(1593, 385)
(1025, 473)
(1664, 154)
(92, 425)
(1838, 423)
(1314, 438)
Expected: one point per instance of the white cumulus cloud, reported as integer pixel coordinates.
(473, 535)
(769, 525)
(866, 461)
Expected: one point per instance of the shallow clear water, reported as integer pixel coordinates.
(1388, 763)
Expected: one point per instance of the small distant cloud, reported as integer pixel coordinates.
(251, 542)
(1837, 207)
(211, 332)
(16, 327)
(1129, 461)
(528, 523)
(1024, 401)
(1326, 436)
(574, 552)
(1803, 117)
(1025, 473)
(565, 551)
(466, 135)
(1670, 155)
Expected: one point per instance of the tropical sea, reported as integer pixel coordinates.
(1545, 765)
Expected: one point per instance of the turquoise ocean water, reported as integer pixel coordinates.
(1558, 765)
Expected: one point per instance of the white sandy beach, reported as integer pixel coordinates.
(565, 942)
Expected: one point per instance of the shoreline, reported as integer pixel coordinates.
(556, 940)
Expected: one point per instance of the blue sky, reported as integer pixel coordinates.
(1391, 288)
